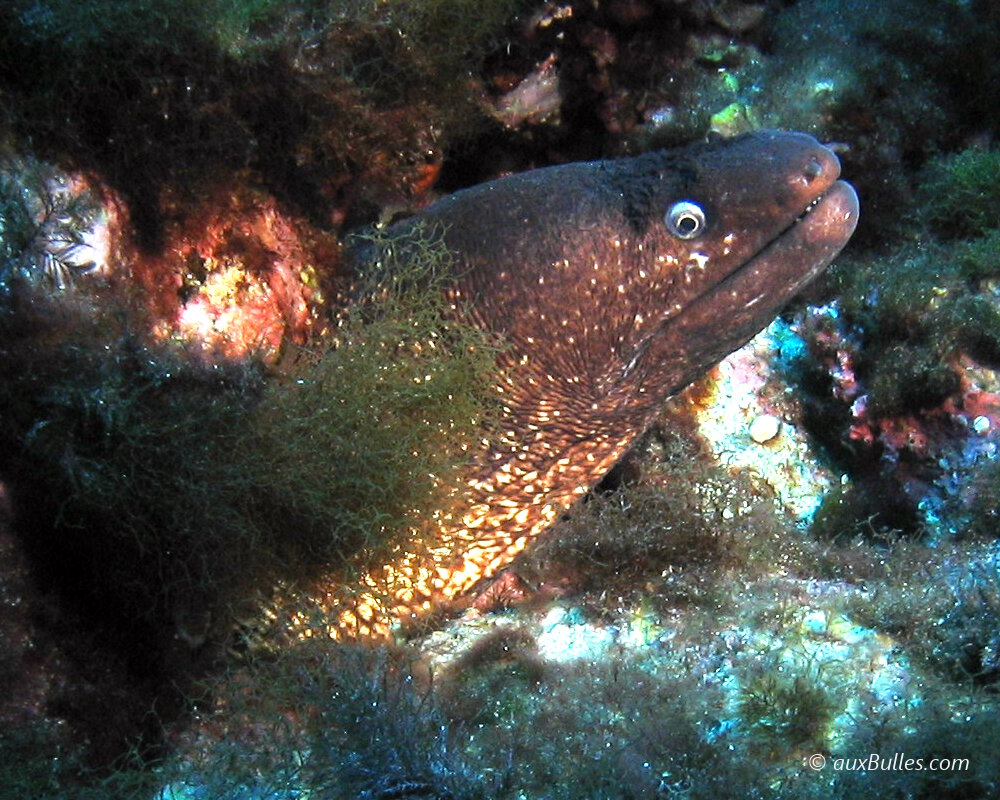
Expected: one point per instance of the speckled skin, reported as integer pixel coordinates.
(607, 314)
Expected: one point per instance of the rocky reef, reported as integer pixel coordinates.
(203, 441)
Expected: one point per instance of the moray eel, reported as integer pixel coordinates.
(614, 284)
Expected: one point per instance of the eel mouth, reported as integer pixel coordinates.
(740, 305)
(801, 252)
(784, 266)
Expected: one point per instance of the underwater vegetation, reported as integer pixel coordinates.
(901, 383)
(941, 603)
(318, 102)
(371, 725)
(367, 436)
(959, 199)
(43, 222)
(167, 490)
(658, 540)
(179, 508)
(359, 724)
(700, 709)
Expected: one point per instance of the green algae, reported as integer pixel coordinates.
(910, 377)
(959, 196)
(918, 307)
(670, 538)
(787, 712)
(172, 477)
(333, 720)
(363, 437)
(165, 492)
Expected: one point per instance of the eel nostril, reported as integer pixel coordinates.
(813, 170)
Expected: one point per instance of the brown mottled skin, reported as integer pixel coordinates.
(607, 313)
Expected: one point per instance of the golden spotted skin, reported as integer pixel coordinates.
(606, 314)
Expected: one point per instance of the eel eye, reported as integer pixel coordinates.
(685, 219)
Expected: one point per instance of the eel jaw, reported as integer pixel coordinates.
(803, 250)
(747, 298)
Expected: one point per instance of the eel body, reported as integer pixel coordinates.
(613, 284)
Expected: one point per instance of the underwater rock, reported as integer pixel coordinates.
(928, 454)
(535, 100)
(237, 277)
(748, 396)
(805, 675)
(764, 428)
(737, 17)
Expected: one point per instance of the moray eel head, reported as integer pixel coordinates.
(744, 231)
(614, 284)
